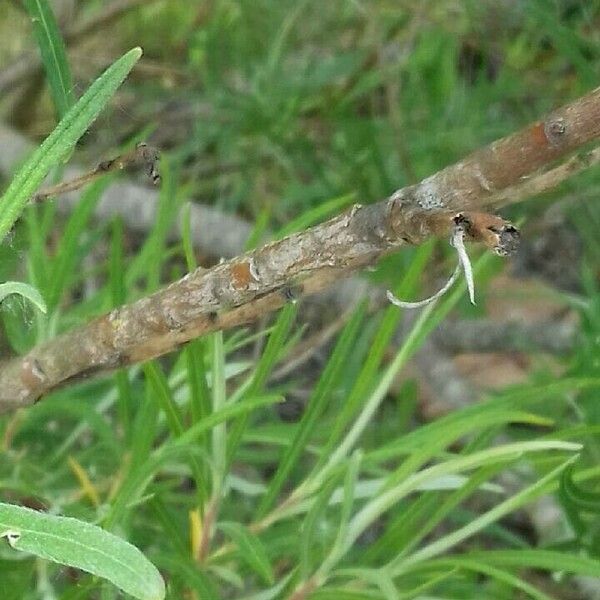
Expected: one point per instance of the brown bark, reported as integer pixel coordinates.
(248, 286)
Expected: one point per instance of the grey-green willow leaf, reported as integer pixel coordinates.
(25, 290)
(84, 546)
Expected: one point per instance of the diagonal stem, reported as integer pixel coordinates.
(247, 287)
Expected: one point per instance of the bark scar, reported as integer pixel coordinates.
(499, 235)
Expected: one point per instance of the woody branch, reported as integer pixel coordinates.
(244, 288)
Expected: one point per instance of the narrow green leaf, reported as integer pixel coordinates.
(342, 449)
(551, 560)
(199, 400)
(582, 499)
(251, 550)
(435, 444)
(68, 255)
(310, 527)
(84, 546)
(443, 544)
(440, 508)
(367, 378)
(162, 393)
(388, 498)
(426, 584)
(494, 573)
(349, 495)
(438, 434)
(160, 388)
(378, 577)
(196, 377)
(35, 218)
(316, 215)
(118, 295)
(335, 593)
(228, 575)
(273, 592)
(74, 124)
(219, 397)
(272, 351)
(146, 464)
(25, 290)
(314, 409)
(229, 411)
(166, 515)
(53, 53)
(271, 354)
(145, 427)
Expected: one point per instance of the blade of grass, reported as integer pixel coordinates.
(495, 573)
(200, 406)
(63, 267)
(551, 560)
(383, 336)
(316, 214)
(384, 501)
(162, 394)
(118, 296)
(219, 397)
(179, 448)
(309, 532)
(199, 398)
(435, 512)
(485, 413)
(377, 577)
(349, 497)
(269, 357)
(53, 53)
(164, 397)
(314, 409)
(316, 479)
(251, 549)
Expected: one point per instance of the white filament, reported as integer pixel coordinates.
(464, 265)
(458, 241)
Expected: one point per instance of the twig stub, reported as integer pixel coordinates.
(499, 235)
(142, 155)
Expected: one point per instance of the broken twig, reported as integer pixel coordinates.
(499, 235)
(248, 286)
(142, 155)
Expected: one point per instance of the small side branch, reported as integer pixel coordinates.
(142, 155)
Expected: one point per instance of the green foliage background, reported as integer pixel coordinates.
(299, 108)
